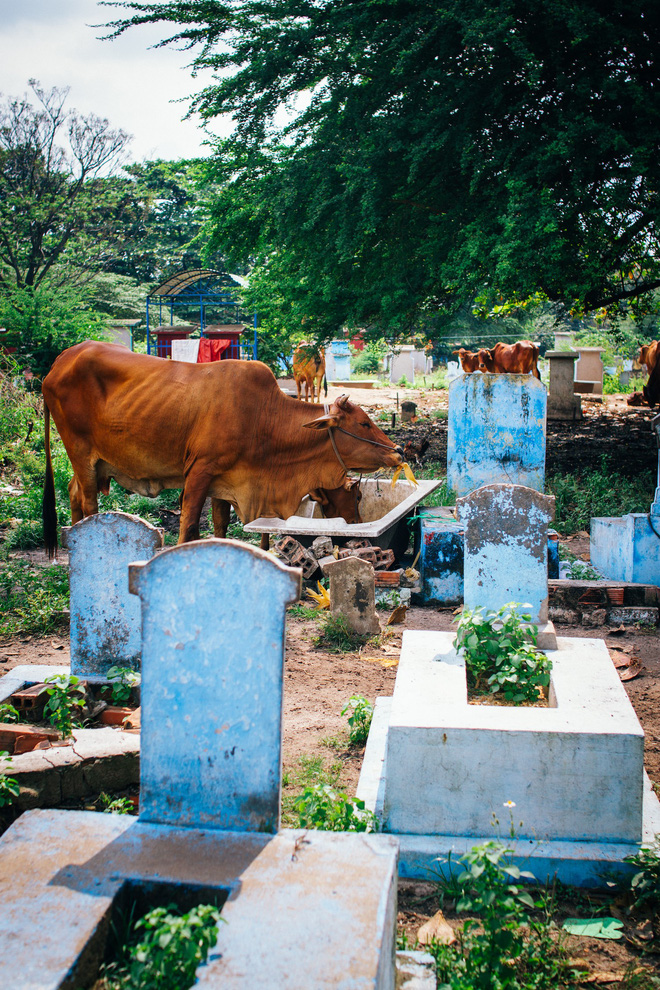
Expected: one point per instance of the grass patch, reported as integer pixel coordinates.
(597, 492)
(336, 636)
(33, 600)
(311, 772)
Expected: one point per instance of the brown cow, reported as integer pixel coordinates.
(502, 359)
(309, 368)
(223, 429)
(648, 355)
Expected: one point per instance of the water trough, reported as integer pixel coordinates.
(384, 510)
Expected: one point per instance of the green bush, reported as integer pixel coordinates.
(597, 492)
(32, 599)
(325, 808)
(360, 713)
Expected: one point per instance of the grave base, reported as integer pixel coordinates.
(330, 899)
(574, 770)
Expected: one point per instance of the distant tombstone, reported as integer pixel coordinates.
(453, 370)
(105, 618)
(589, 371)
(353, 595)
(408, 411)
(212, 658)
(496, 432)
(506, 547)
(338, 361)
(563, 403)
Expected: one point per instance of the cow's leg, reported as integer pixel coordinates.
(220, 512)
(194, 496)
(298, 387)
(83, 495)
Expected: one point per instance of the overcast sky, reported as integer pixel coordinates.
(125, 80)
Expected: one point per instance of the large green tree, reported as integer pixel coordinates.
(52, 190)
(394, 157)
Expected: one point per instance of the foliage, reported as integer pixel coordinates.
(32, 599)
(41, 322)
(597, 492)
(645, 884)
(9, 787)
(360, 713)
(66, 696)
(311, 772)
(509, 948)
(576, 570)
(169, 949)
(122, 681)
(116, 806)
(498, 654)
(52, 158)
(325, 808)
(612, 385)
(389, 160)
(337, 636)
(8, 713)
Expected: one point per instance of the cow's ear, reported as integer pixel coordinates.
(322, 423)
(343, 402)
(318, 495)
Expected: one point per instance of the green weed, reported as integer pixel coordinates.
(8, 713)
(116, 806)
(311, 772)
(597, 492)
(360, 713)
(122, 680)
(300, 611)
(66, 696)
(9, 787)
(336, 635)
(33, 600)
(325, 808)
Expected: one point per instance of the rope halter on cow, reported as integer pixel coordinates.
(374, 443)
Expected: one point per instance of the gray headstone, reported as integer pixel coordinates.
(506, 547)
(105, 618)
(212, 659)
(352, 593)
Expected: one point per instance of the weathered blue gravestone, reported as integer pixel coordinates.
(105, 618)
(506, 547)
(212, 669)
(496, 432)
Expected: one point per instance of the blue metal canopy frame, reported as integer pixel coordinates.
(203, 287)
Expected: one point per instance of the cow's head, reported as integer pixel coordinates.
(341, 502)
(361, 444)
(469, 360)
(485, 360)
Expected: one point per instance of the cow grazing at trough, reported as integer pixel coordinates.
(502, 359)
(309, 369)
(224, 430)
(648, 355)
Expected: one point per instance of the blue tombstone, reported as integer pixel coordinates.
(496, 432)
(213, 616)
(105, 618)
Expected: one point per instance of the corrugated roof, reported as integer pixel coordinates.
(176, 284)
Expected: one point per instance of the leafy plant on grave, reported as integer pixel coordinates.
(576, 569)
(360, 713)
(504, 947)
(499, 657)
(122, 680)
(9, 787)
(336, 636)
(169, 949)
(324, 808)
(8, 713)
(66, 696)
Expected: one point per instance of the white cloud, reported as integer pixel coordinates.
(125, 80)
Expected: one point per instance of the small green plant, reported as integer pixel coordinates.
(8, 713)
(300, 611)
(325, 808)
(360, 712)
(9, 787)
(337, 636)
(116, 806)
(499, 656)
(65, 697)
(122, 680)
(645, 884)
(576, 569)
(403, 382)
(170, 948)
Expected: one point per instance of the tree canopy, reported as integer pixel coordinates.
(394, 158)
(51, 163)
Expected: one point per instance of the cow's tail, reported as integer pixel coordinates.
(48, 509)
(535, 368)
(325, 386)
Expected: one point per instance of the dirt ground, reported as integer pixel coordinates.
(318, 684)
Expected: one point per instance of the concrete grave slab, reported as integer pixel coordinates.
(212, 667)
(317, 932)
(352, 594)
(437, 769)
(105, 618)
(496, 431)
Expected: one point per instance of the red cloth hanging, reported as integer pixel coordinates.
(211, 349)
